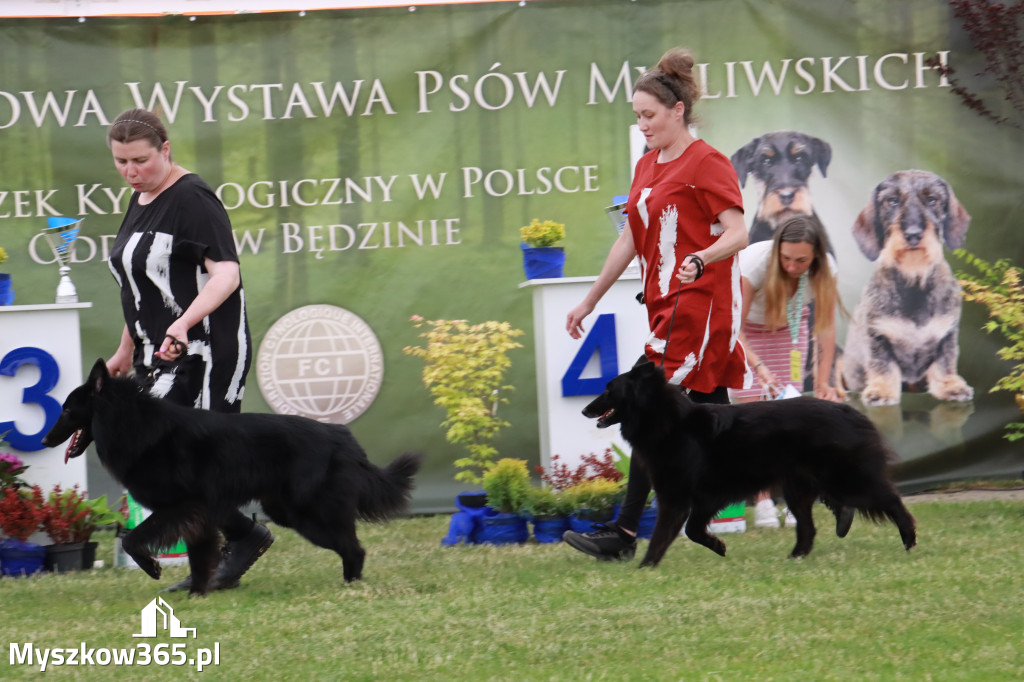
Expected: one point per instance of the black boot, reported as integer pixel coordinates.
(238, 555)
(235, 559)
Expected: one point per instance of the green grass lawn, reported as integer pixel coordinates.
(860, 608)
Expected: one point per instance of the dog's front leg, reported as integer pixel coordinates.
(943, 381)
(135, 546)
(671, 518)
(697, 528)
(884, 379)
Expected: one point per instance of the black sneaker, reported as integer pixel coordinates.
(607, 542)
(238, 556)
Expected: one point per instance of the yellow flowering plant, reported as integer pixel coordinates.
(999, 287)
(464, 369)
(546, 233)
(3, 255)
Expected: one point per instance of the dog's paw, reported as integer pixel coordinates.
(879, 396)
(144, 560)
(150, 565)
(953, 388)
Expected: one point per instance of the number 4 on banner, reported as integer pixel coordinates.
(600, 340)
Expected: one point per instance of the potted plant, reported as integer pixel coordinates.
(999, 288)
(549, 509)
(21, 512)
(541, 258)
(464, 369)
(594, 501)
(6, 292)
(11, 469)
(63, 515)
(649, 515)
(506, 484)
(99, 514)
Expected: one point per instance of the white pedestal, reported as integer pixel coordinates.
(564, 431)
(40, 364)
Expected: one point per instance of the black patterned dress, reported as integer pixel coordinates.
(158, 262)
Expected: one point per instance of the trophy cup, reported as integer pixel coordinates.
(61, 234)
(617, 215)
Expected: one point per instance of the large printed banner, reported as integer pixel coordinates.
(377, 164)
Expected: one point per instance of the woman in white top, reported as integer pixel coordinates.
(779, 279)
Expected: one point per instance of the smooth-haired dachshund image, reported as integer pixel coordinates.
(780, 163)
(192, 467)
(702, 457)
(905, 328)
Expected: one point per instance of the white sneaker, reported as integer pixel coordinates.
(765, 515)
(790, 519)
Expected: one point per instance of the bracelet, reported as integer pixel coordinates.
(699, 262)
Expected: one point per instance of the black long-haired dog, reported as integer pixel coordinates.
(193, 467)
(701, 458)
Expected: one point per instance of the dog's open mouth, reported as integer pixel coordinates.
(77, 445)
(606, 419)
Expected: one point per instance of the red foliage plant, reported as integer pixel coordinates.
(21, 514)
(63, 515)
(592, 467)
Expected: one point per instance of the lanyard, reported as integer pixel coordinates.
(794, 308)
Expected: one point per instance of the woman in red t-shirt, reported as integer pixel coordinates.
(685, 215)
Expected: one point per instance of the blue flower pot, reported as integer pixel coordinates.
(648, 517)
(504, 529)
(550, 528)
(21, 558)
(6, 292)
(584, 519)
(543, 262)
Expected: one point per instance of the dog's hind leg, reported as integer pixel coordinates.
(893, 508)
(666, 529)
(843, 514)
(800, 500)
(339, 536)
(203, 558)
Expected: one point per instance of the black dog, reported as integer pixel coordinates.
(193, 467)
(701, 458)
(781, 162)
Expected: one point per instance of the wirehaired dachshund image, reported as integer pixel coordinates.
(780, 163)
(905, 328)
(701, 457)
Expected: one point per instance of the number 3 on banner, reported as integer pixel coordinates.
(38, 394)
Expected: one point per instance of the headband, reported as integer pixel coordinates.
(132, 120)
(664, 80)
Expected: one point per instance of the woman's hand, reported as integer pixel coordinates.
(828, 393)
(768, 379)
(175, 343)
(574, 320)
(120, 363)
(688, 271)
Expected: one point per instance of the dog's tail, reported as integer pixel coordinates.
(386, 493)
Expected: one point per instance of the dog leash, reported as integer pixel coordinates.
(699, 262)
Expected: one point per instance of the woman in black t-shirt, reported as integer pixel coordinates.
(186, 335)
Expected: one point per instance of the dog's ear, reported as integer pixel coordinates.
(869, 235)
(98, 375)
(822, 154)
(957, 221)
(742, 157)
